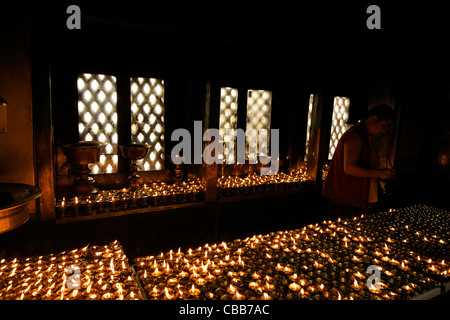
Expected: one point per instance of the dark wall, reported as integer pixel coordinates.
(292, 52)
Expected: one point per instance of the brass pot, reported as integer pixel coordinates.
(84, 152)
(15, 198)
(134, 152)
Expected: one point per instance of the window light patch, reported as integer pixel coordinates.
(147, 119)
(97, 117)
(338, 122)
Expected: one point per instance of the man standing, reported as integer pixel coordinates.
(352, 178)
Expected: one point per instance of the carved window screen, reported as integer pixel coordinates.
(338, 122)
(308, 125)
(228, 118)
(259, 107)
(147, 120)
(97, 117)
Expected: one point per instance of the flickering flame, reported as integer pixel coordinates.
(167, 293)
(339, 296)
(232, 288)
(111, 265)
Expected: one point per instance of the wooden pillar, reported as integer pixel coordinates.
(319, 136)
(42, 109)
(210, 171)
(124, 119)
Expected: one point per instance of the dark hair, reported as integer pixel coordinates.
(382, 111)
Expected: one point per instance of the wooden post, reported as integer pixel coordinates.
(319, 137)
(42, 109)
(210, 171)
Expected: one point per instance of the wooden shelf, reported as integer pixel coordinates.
(110, 214)
(260, 195)
(198, 204)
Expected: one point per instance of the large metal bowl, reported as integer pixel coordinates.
(15, 198)
(84, 152)
(134, 151)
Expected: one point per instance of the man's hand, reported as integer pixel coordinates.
(386, 174)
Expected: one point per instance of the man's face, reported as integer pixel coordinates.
(379, 128)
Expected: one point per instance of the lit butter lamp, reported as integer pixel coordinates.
(3, 127)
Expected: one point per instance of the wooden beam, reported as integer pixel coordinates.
(45, 177)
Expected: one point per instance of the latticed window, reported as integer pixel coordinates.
(308, 125)
(338, 122)
(228, 118)
(97, 117)
(259, 107)
(147, 120)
